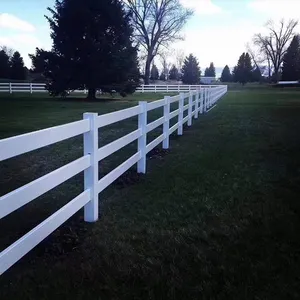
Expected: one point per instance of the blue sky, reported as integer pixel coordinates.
(217, 32)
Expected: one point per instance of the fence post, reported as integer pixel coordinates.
(91, 175)
(142, 141)
(197, 105)
(155, 89)
(10, 88)
(143, 88)
(180, 116)
(167, 88)
(189, 88)
(30, 88)
(201, 100)
(205, 100)
(190, 110)
(166, 125)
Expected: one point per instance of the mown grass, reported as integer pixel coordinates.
(217, 217)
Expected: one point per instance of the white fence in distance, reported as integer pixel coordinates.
(199, 102)
(40, 88)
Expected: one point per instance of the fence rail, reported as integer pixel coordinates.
(199, 101)
(40, 88)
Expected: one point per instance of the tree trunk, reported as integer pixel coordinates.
(147, 72)
(91, 94)
(147, 68)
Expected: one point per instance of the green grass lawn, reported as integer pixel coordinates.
(215, 217)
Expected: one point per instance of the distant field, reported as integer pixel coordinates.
(216, 217)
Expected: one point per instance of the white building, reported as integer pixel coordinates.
(207, 80)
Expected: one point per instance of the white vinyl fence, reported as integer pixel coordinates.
(40, 88)
(199, 101)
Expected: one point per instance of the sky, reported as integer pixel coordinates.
(218, 32)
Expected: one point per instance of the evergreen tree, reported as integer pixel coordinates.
(256, 75)
(154, 73)
(17, 70)
(206, 72)
(291, 66)
(162, 76)
(243, 70)
(234, 74)
(4, 65)
(226, 75)
(174, 73)
(191, 71)
(212, 70)
(92, 48)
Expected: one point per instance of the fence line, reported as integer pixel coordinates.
(199, 102)
(40, 88)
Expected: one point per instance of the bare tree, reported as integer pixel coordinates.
(274, 45)
(166, 65)
(157, 23)
(179, 57)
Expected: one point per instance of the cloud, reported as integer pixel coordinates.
(276, 9)
(202, 7)
(24, 43)
(227, 44)
(12, 22)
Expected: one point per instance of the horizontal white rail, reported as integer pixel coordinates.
(155, 124)
(200, 100)
(17, 250)
(118, 144)
(23, 195)
(20, 144)
(15, 87)
(117, 116)
(155, 143)
(117, 172)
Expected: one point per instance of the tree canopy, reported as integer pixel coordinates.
(156, 24)
(92, 48)
(211, 71)
(226, 75)
(154, 73)
(243, 70)
(174, 73)
(291, 61)
(12, 65)
(17, 68)
(4, 65)
(191, 71)
(273, 46)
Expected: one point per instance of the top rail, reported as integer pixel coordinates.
(24, 143)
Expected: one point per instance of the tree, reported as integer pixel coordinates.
(206, 72)
(191, 71)
(95, 52)
(174, 74)
(17, 70)
(154, 73)
(291, 66)
(273, 46)
(162, 76)
(157, 23)
(243, 70)
(211, 71)
(4, 65)
(226, 75)
(164, 58)
(256, 75)
(179, 58)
